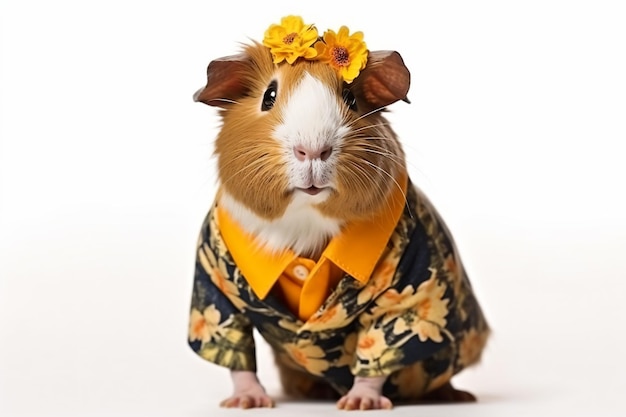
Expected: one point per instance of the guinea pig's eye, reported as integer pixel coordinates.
(349, 98)
(269, 97)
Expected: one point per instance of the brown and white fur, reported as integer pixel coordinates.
(292, 175)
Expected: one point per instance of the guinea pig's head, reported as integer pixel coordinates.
(299, 131)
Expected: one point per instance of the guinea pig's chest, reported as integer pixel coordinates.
(304, 284)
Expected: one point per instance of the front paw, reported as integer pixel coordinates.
(249, 399)
(365, 394)
(364, 402)
(248, 392)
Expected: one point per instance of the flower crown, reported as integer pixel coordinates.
(294, 39)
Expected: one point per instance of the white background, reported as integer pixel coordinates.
(516, 130)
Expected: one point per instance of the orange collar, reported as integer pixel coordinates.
(356, 250)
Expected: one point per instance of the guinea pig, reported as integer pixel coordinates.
(318, 239)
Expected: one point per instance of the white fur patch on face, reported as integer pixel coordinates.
(312, 120)
(302, 228)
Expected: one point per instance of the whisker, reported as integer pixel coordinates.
(259, 162)
(379, 150)
(370, 139)
(406, 202)
(247, 153)
(391, 157)
(358, 180)
(226, 100)
(382, 138)
(369, 113)
(370, 126)
(367, 180)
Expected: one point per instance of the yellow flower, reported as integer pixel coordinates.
(332, 317)
(392, 302)
(204, 326)
(381, 279)
(290, 40)
(197, 327)
(371, 344)
(228, 358)
(426, 316)
(310, 357)
(288, 325)
(346, 53)
(216, 268)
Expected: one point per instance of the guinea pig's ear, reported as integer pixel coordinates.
(225, 81)
(384, 80)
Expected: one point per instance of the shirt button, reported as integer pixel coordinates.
(301, 272)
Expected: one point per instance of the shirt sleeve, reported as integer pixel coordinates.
(409, 321)
(403, 327)
(219, 332)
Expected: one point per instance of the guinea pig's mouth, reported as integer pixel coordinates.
(312, 190)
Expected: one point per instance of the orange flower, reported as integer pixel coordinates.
(381, 279)
(204, 326)
(197, 327)
(216, 268)
(310, 357)
(346, 53)
(371, 344)
(393, 301)
(330, 317)
(427, 313)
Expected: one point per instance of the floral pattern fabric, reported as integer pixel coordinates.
(416, 320)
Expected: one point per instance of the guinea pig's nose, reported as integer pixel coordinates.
(303, 153)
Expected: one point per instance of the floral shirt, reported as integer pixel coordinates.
(418, 309)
